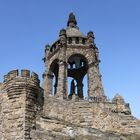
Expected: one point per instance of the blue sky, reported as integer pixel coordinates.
(27, 25)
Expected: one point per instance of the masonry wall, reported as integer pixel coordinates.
(92, 115)
(0, 114)
(19, 104)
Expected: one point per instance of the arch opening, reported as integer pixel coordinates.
(54, 69)
(77, 69)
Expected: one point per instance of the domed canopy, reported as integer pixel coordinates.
(74, 32)
(71, 32)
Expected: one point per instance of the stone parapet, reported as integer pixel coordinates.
(23, 74)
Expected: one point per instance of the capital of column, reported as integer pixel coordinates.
(61, 62)
(96, 63)
(44, 75)
(50, 76)
(91, 64)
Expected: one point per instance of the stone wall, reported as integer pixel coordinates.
(19, 104)
(0, 87)
(0, 113)
(22, 115)
(91, 115)
(73, 55)
(55, 129)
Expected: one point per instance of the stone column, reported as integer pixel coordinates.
(62, 81)
(90, 80)
(49, 83)
(80, 89)
(55, 88)
(62, 74)
(95, 87)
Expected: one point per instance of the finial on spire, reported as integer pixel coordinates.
(90, 37)
(71, 21)
(62, 32)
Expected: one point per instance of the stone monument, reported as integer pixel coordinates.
(29, 111)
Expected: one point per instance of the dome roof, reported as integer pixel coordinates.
(74, 32)
(72, 29)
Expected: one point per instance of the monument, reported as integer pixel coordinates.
(52, 112)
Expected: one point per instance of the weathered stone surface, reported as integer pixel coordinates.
(0, 112)
(29, 112)
(66, 117)
(19, 103)
(91, 115)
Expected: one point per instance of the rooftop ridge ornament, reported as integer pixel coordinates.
(72, 20)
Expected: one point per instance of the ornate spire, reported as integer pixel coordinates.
(71, 21)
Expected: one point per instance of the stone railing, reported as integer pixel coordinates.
(96, 99)
(76, 40)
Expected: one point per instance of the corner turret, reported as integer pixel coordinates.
(22, 99)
